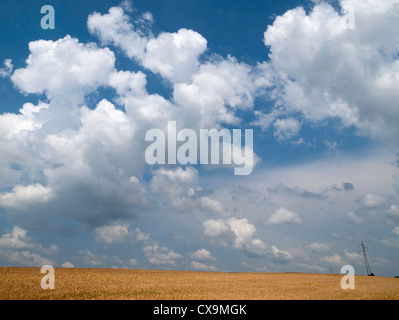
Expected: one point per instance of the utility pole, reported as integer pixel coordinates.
(366, 261)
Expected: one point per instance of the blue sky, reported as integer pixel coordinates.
(320, 96)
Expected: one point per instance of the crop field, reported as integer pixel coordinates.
(110, 284)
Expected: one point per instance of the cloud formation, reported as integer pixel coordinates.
(283, 215)
(77, 157)
(323, 70)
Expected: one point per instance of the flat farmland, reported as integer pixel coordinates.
(134, 284)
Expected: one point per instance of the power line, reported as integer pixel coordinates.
(366, 261)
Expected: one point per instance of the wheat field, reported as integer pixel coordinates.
(133, 284)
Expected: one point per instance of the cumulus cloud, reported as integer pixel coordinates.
(16, 249)
(396, 183)
(173, 55)
(16, 239)
(64, 69)
(202, 267)
(75, 168)
(64, 159)
(283, 215)
(319, 247)
(285, 129)
(243, 231)
(311, 267)
(214, 88)
(178, 184)
(323, 70)
(353, 256)
(94, 165)
(212, 205)
(132, 262)
(335, 259)
(156, 254)
(92, 260)
(215, 228)
(280, 255)
(23, 197)
(371, 200)
(205, 91)
(202, 255)
(114, 233)
(24, 258)
(160, 255)
(239, 232)
(6, 71)
(393, 213)
(115, 28)
(67, 264)
(355, 218)
(142, 236)
(128, 83)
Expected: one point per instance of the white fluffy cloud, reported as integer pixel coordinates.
(353, 256)
(128, 83)
(16, 239)
(24, 258)
(215, 228)
(98, 158)
(242, 230)
(16, 249)
(239, 231)
(323, 70)
(213, 205)
(280, 255)
(115, 28)
(161, 255)
(64, 69)
(92, 260)
(173, 55)
(23, 197)
(371, 200)
(213, 88)
(114, 233)
(283, 215)
(205, 91)
(355, 218)
(63, 159)
(67, 264)
(286, 128)
(6, 71)
(319, 247)
(202, 267)
(179, 185)
(202, 255)
(156, 254)
(335, 259)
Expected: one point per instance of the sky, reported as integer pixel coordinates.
(316, 81)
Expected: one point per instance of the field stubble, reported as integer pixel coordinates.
(109, 284)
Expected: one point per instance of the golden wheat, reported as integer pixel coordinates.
(109, 284)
